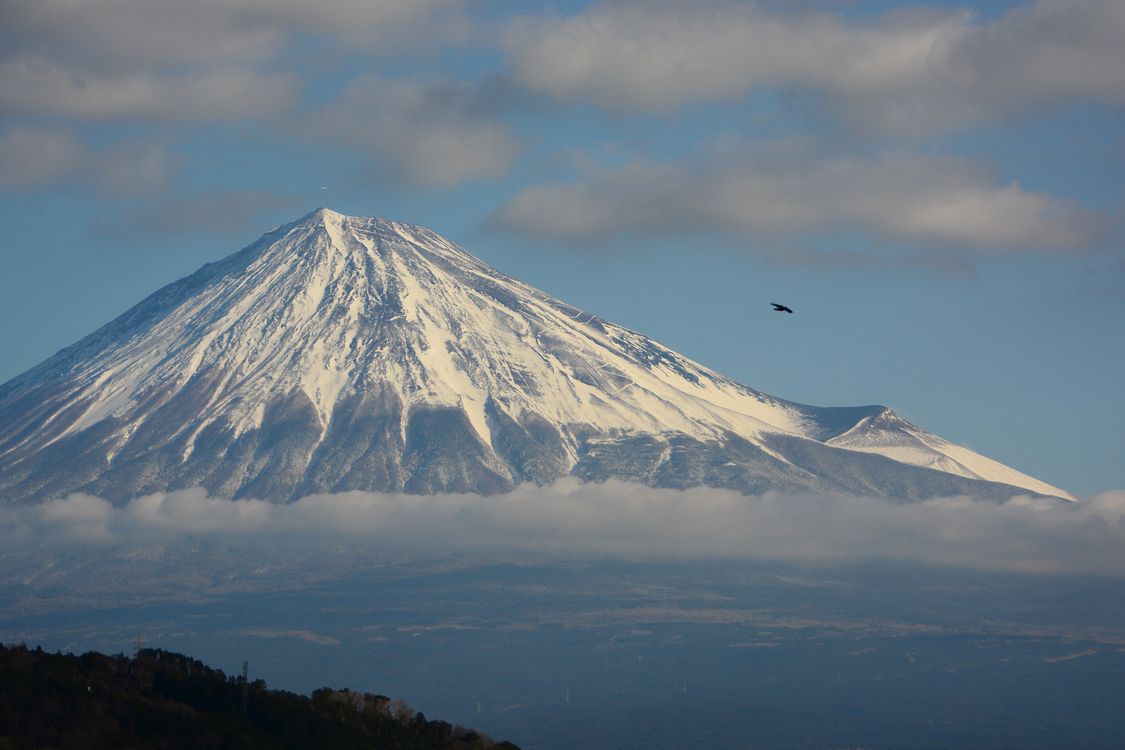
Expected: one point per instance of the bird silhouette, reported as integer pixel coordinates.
(780, 308)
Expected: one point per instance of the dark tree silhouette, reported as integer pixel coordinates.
(160, 699)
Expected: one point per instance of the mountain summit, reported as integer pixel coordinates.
(348, 353)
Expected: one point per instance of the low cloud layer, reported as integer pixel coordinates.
(614, 518)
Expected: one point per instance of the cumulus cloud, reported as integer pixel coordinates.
(615, 518)
(910, 72)
(427, 133)
(33, 157)
(747, 193)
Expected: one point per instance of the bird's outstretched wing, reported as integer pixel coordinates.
(780, 308)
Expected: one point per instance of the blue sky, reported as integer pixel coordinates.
(936, 189)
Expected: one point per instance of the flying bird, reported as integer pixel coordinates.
(780, 308)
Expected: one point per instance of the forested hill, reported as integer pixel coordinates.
(165, 700)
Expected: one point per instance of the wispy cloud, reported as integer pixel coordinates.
(37, 88)
(908, 72)
(124, 34)
(33, 157)
(614, 518)
(212, 211)
(425, 133)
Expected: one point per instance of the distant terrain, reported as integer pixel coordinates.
(626, 654)
(160, 699)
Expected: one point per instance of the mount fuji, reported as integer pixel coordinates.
(346, 353)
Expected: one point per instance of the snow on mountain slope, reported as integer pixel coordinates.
(342, 352)
(889, 435)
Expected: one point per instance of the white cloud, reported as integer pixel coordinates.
(911, 72)
(614, 518)
(897, 198)
(422, 133)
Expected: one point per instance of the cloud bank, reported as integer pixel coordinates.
(615, 518)
(203, 60)
(181, 64)
(748, 192)
(906, 72)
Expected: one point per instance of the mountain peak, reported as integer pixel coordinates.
(325, 230)
(324, 214)
(326, 217)
(327, 214)
(343, 352)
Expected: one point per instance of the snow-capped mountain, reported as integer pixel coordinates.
(341, 353)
